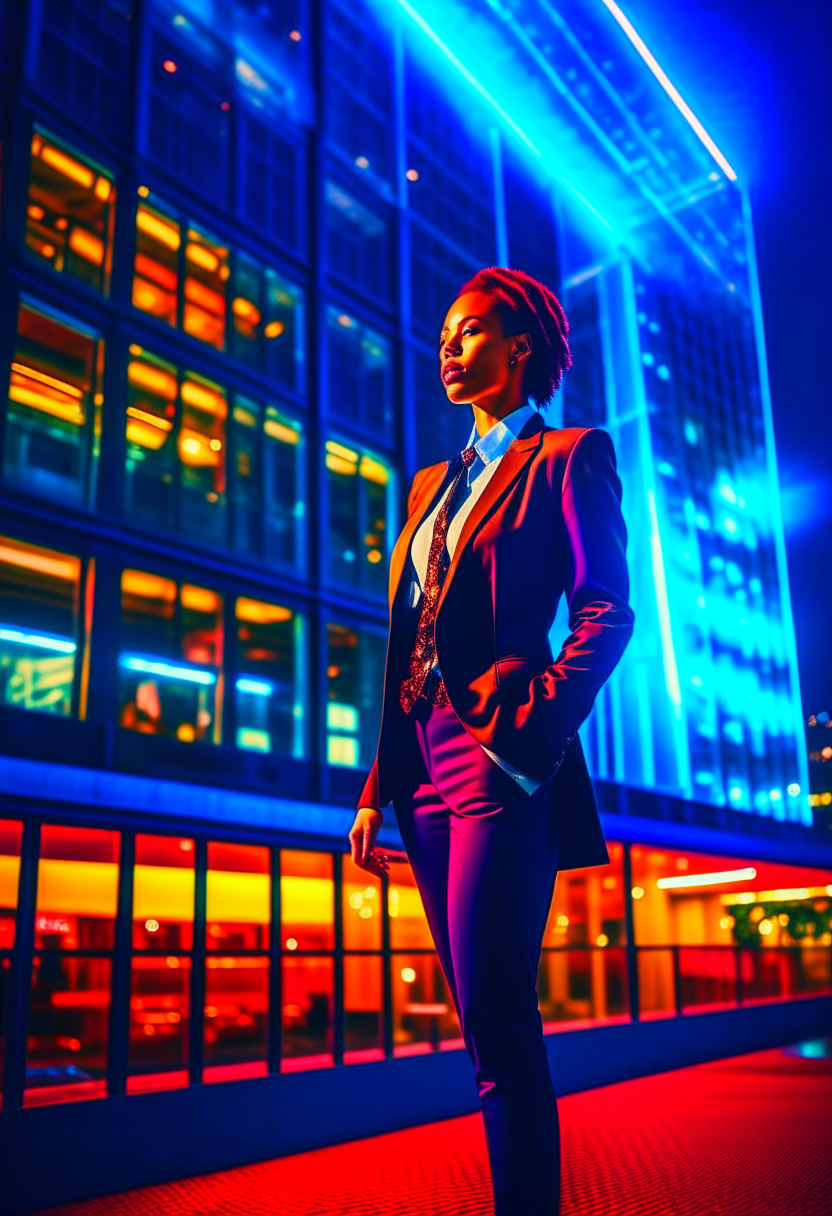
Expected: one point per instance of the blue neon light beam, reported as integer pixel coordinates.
(41, 640)
(151, 667)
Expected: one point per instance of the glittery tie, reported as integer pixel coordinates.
(423, 655)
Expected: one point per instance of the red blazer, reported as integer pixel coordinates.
(548, 522)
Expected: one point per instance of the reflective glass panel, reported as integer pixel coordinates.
(361, 907)
(11, 834)
(267, 322)
(408, 923)
(239, 897)
(53, 421)
(202, 455)
(39, 591)
(588, 905)
(267, 484)
(163, 893)
(358, 244)
(355, 666)
(360, 373)
(582, 985)
(151, 463)
(362, 1008)
(423, 1011)
(206, 274)
(307, 900)
(66, 1046)
(171, 655)
(77, 888)
(359, 502)
(307, 1012)
(159, 1005)
(70, 212)
(269, 685)
(156, 264)
(236, 1010)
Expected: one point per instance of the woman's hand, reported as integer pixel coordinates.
(362, 841)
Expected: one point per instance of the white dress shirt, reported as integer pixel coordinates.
(490, 449)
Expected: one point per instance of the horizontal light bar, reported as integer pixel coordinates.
(61, 645)
(151, 668)
(707, 880)
(672, 92)
(258, 687)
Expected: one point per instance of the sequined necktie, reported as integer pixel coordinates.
(423, 655)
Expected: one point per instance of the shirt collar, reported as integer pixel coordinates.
(495, 442)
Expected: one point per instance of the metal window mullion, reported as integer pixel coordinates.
(119, 1019)
(198, 952)
(338, 961)
(629, 924)
(21, 972)
(275, 1015)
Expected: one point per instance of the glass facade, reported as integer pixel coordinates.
(286, 980)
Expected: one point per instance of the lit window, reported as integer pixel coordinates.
(70, 212)
(360, 502)
(206, 275)
(270, 682)
(360, 373)
(75, 912)
(176, 439)
(53, 421)
(355, 666)
(307, 906)
(156, 265)
(267, 484)
(11, 834)
(170, 658)
(39, 589)
(267, 322)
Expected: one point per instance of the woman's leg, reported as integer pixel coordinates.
(502, 851)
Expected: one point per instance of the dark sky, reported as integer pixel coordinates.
(758, 74)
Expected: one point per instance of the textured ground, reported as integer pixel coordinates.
(749, 1136)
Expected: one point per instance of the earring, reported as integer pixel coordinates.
(512, 361)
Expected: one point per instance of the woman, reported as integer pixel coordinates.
(478, 747)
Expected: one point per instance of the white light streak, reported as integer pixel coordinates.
(707, 880)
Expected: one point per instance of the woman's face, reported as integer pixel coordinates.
(474, 352)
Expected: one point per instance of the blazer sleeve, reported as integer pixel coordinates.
(597, 591)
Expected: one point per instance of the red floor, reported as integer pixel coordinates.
(749, 1136)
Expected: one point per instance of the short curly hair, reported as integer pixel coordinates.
(527, 306)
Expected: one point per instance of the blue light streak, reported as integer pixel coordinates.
(151, 667)
(259, 688)
(40, 640)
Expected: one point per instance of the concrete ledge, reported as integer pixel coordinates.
(55, 1154)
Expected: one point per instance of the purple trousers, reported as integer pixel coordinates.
(484, 855)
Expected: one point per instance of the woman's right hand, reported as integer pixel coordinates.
(362, 841)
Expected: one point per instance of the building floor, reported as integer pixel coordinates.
(747, 1136)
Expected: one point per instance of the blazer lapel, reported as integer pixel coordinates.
(511, 465)
(398, 557)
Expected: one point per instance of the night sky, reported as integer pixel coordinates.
(758, 74)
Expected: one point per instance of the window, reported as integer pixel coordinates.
(163, 938)
(583, 967)
(268, 484)
(272, 169)
(186, 126)
(359, 516)
(11, 833)
(307, 929)
(267, 330)
(360, 373)
(530, 220)
(77, 890)
(70, 213)
(363, 1003)
(53, 419)
(156, 263)
(237, 968)
(442, 429)
(358, 243)
(40, 592)
(170, 658)
(206, 273)
(83, 60)
(436, 273)
(359, 94)
(175, 465)
(271, 682)
(355, 670)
